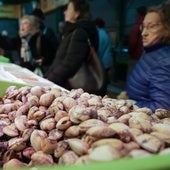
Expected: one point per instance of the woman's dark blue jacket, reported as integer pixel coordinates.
(149, 83)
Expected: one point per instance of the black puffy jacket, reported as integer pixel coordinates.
(72, 51)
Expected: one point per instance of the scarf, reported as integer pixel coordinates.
(25, 49)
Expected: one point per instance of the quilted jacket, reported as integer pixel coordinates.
(149, 83)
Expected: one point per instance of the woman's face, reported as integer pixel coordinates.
(25, 26)
(153, 30)
(70, 13)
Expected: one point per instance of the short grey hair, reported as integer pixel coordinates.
(32, 19)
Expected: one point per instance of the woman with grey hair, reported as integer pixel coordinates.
(32, 47)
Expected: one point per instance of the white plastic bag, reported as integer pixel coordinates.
(39, 71)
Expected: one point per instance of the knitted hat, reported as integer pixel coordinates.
(38, 13)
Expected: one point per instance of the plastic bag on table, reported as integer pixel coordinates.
(39, 71)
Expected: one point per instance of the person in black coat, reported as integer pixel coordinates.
(74, 46)
(47, 32)
(33, 48)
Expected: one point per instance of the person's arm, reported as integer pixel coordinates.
(159, 88)
(74, 56)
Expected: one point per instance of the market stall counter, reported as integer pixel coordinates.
(13, 74)
(44, 126)
(159, 162)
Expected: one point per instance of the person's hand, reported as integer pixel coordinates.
(123, 95)
(39, 61)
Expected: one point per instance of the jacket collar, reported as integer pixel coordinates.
(154, 47)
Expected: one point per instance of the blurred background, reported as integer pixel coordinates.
(119, 17)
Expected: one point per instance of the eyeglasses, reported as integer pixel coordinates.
(149, 27)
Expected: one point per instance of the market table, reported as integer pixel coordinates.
(12, 74)
(22, 77)
(155, 162)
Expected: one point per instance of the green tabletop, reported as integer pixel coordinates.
(156, 162)
(5, 84)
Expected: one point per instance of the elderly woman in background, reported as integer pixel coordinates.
(33, 48)
(149, 83)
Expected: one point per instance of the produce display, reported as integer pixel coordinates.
(42, 126)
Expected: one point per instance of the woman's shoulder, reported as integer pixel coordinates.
(163, 54)
(35, 36)
(79, 33)
(159, 57)
(158, 52)
(165, 57)
(80, 30)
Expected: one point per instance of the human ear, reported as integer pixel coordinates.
(77, 14)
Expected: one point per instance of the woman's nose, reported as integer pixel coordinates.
(144, 31)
